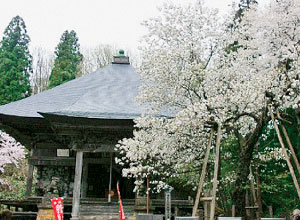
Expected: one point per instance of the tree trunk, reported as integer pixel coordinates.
(247, 147)
(239, 193)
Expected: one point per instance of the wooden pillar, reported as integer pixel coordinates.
(176, 212)
(84, 184)
(216, 169)
(110, 177)
(206, 210)
(29, 178)
(203, 174)
(77, 186)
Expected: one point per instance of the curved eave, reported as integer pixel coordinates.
(11, 119)
(85, 122)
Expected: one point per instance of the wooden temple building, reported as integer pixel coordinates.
(71, 132)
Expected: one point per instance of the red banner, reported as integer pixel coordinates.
(57, 205)
(122, 214)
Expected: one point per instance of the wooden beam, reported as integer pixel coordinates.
(206, 199)
(203, 173)
(285, 133)
(30, 177)
(77, 185)
(64, 161)
(46, 145)
(216, 169)
(67, 128)
(97, 147)
(251, 207)
(52, 161)
(290, 166)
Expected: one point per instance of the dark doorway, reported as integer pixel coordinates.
(98, 180)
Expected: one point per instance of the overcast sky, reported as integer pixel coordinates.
(95, 21)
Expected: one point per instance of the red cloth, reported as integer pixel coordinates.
(57, 206)
(122, 214)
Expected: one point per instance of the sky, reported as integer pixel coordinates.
(115, 22)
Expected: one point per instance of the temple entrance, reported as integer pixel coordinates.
(98, 182)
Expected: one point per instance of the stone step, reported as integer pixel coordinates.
(102, 208)
(90, 210)
(103, 213)
(105, 217)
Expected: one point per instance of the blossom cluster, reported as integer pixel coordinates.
(11, 151)
(201, 73)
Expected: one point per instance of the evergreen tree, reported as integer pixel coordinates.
(67, 61)
(15, 62)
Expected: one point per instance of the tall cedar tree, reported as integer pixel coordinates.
(67, 61)
(15, 62)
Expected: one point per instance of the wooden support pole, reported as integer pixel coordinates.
(252, 187)
(248, 211)
(271, 211)
(203, 173)
(258, 184)
(290, 166)
(110, 177)
(285, 133)
(77, 185)
(30, 177)
(216, 169)
(233, 211)
(254, 195)
(207, 206)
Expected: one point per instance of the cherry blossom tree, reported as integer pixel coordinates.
(176, 54)
(11, 152)
(189, 73)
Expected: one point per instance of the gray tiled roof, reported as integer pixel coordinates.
(107, 93)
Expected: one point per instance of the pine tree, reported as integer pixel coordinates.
(15, 62)
(67, 61)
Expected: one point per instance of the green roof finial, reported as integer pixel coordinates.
(121, 53)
